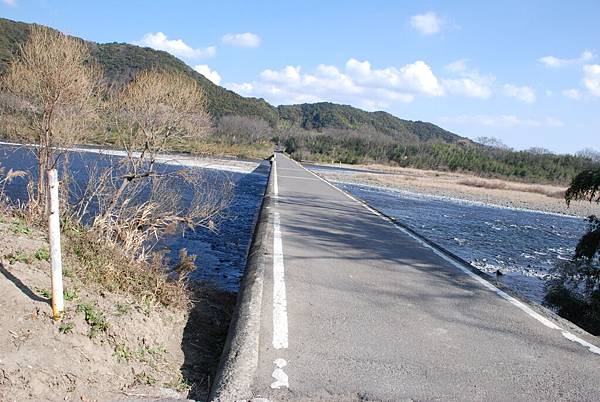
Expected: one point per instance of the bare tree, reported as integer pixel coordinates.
(589, 153)
(539, 151)
(161, 204)
(154, 111)
(241, 129)
(136, 201)
(492, 142)
(50, 96)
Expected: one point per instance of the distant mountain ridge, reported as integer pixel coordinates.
(311, 116)
(121, 62)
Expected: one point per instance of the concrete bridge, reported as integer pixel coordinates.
(340, 304)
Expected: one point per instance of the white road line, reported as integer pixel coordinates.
(281, 378)
(545, 321)
(280, 322)
(275, 184)
(299, 178)
(280, 319)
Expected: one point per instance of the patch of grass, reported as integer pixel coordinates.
(144, 378)
(70, 295)
(143, 354)
(18, 256)
(122, 352)
(47, 293)
(21, 227)
(68, 272)
(501, 185)
(42, 254)
(489, 184)
(66, 327)
(147, 353)
(102, 263)
(94, 318)
(179, 383)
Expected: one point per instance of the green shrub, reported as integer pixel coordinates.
(94, 318)
(42, 255)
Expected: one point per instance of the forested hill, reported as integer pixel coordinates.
(318, 116)
(121, 62)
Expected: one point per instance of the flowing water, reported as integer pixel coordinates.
(221, 254)
(523, 245)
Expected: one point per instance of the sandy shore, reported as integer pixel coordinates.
(546, 198)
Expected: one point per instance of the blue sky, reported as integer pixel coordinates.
(525, 72)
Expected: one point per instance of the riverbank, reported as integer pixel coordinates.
(109, 345)
(536, 197)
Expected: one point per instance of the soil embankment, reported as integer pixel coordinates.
(108, 346)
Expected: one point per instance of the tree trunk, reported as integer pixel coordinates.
(116, 197)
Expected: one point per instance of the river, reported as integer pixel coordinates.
(221, 254)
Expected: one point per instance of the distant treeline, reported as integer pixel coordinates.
(465, 156)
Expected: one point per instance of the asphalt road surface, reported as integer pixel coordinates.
(355, 308)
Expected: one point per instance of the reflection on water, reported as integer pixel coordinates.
(524, 245)
(221, 255)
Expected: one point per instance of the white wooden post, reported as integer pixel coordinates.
(54, 236)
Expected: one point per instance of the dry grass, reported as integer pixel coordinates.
(97, 261)
(541, 197)
(259, 150)
(503, 185)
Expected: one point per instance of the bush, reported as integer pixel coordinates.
(575, 292)
(103, 263)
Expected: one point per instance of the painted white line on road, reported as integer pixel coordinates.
(275, 184)
(545, 321)
(281, 378)
(280, 321)
(299, 178)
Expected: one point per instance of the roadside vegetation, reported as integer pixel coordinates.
(54, 96)
(575, 292)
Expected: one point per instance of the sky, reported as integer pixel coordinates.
(526, 72)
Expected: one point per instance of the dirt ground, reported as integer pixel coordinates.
(541, 197)
(106, 347)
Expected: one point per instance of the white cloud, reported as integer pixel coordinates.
(212, 75)
(247, 39)
(360, 84)
(11, 3)
(572, 93)
(469, 83)
(591, 78)
(416, 77)
(524, 94)
(357, 83)
(427, 24)
(555, 62)
(176, 47)
(503, 121)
